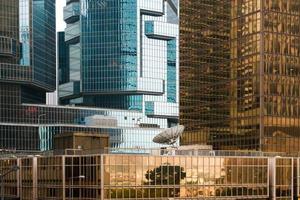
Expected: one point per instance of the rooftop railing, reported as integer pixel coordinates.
(9, 153)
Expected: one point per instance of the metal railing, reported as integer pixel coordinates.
(170, 151)
(14, 72)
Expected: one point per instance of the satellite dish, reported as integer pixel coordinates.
(169, 136)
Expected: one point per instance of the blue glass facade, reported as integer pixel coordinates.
(26, 125)
(109, 46)
(43, 43)
(37, 38)
(124, 55)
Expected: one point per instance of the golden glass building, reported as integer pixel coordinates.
(252, 98)
(204, 69)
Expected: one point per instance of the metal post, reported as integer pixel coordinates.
(2, 187)
(71, 181)
(41, 115)
(70, 184)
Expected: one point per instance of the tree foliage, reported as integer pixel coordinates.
(165, 174)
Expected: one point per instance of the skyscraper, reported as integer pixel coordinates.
(261, 108)
(27, 125)
(27, 63)
(27, 66)
(124, 55)
(204, 69)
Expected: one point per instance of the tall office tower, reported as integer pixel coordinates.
(264, 93)
(27, 50)
(124, 55)
(27, 59)
(9, 48)
(106, 51)
(204, 69)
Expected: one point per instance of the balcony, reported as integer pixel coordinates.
(162, 109)
(153, 7)
(8, 46)
(70, 1)
(161, 30)
(72, 12)
(70, 89)
(72, 33)
(151, 85)
(15, 73)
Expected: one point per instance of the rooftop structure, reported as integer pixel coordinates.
(80, 141)
(27, 50)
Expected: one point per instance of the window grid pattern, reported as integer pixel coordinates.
(9, 38)
(115, 176)
(43, 43)
(121, 65)
(242, 91)
(205, 71)
(150, 177)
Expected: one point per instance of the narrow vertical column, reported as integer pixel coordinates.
(63, 177)
(296, 177)
(272, 177)
(19, 192)
(261, 77)
(102, 177)
(34, 178)
(292, 178)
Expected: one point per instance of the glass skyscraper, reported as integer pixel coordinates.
(86, 67)
(250, 96)
(124, 55)
(27, 28)
(204, 69)
(27, 64)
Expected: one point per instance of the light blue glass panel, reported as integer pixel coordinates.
(46, 137)
(149, 27)
(149, 108)
(171, 71)
(24, 32)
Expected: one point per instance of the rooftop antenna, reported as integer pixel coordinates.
(169, 136)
